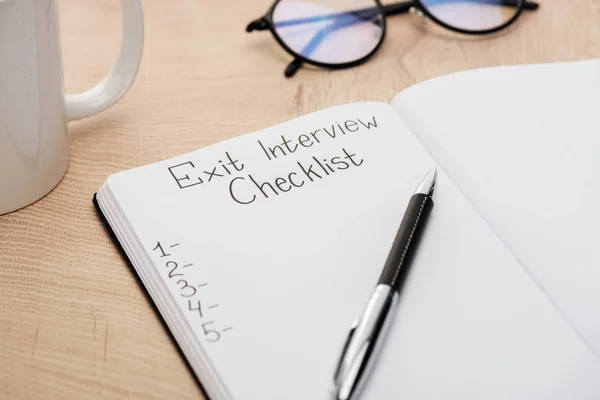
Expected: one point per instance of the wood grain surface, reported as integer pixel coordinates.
(73, 322)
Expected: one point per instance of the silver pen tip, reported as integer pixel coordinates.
(339, 396)
(427, 185)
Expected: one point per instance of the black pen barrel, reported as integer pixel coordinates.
(406, 241)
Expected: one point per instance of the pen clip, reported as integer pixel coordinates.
(336, 376)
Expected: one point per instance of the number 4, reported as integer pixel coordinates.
(199, 308)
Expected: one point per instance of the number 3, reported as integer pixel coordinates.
(186, 286)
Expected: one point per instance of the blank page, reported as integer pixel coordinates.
(522, 143)
(281, 277)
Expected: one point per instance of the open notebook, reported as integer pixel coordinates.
(260, 251)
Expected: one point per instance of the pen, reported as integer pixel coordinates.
(366, 334)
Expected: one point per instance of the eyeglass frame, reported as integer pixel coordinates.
(266, 23)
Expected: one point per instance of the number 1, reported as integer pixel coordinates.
(159, 247)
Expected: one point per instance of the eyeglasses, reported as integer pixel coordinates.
(344, 33)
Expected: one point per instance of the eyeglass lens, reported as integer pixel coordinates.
(473, 15)
(329, 31)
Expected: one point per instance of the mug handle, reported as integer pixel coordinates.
(120, 78)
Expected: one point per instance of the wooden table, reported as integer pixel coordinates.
(73, 322)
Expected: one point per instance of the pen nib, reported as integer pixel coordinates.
(427, 185)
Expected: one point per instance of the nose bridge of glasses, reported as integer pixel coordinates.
(398, 8)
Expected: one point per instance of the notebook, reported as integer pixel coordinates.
(260, 251)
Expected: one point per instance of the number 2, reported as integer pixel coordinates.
(171, 274)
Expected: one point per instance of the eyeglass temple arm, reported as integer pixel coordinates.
(260, 24)
(531, 5)
(405, 6)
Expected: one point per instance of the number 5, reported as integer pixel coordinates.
(207, 332)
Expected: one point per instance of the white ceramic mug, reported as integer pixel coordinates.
(34, 110)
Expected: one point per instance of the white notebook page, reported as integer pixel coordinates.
(289, 273)
(523, 144)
